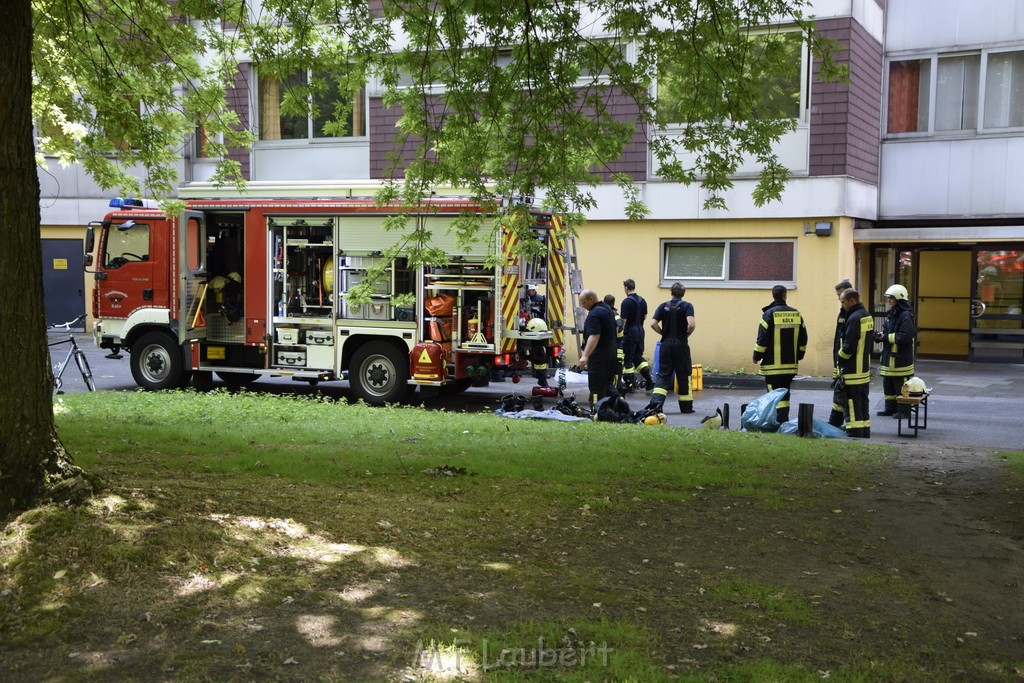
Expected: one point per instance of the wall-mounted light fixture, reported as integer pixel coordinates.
(821, 229)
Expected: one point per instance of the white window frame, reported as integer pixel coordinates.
(803, 116)
(628, 51)
(723, 282)
(310, 139)
(983, 91)
(933, 59)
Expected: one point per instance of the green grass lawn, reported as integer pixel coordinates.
(246, 536)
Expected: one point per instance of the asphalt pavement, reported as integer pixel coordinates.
(978, 404)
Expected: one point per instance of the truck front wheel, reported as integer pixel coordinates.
(379, 374)
(157, 362)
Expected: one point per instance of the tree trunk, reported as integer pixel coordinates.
(32, 458)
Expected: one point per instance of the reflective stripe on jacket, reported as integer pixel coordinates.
(899, 332)
(855, 354)
(781, 339)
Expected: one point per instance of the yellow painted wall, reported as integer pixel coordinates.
(727, 319)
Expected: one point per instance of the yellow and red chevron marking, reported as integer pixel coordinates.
(556, 281)
(510, 279)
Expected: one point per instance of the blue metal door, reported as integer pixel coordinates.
(63, 280)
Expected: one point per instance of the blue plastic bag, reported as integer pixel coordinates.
(819, 428)
(760, 413)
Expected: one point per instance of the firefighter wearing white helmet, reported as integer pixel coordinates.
(897, 340)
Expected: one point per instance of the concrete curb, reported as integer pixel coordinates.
(719, 381)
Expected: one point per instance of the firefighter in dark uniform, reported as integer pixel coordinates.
(897, 339)
(674, 321)
(634, 313)
(598, 357)
(855, 364)
(535, 307)
(781, 344)
(609, 300)
(836, 417)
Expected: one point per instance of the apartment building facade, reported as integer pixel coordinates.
(950, 222)
(880, 192)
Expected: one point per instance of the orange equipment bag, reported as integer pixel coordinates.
(440, 307)
(427, 362)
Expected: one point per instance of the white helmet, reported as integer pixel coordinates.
(898, 292)
(536, 325)
(915, 386)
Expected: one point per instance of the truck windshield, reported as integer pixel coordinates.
(125, 245)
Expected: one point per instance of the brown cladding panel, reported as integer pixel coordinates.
(237, 96)
(846, 117)
(383, 142)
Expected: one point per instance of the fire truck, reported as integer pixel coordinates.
(252, 285)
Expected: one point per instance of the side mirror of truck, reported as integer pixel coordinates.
(88, 260)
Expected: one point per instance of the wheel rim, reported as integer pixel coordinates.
(378, 375)
(155, 363)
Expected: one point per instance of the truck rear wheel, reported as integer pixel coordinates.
(157, 362)
(379, 374)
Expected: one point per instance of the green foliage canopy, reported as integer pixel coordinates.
(504, 97)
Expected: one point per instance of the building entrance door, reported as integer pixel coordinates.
(63, 280)
(944, 295)
(997, 323)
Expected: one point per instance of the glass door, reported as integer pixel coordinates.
(997, 323)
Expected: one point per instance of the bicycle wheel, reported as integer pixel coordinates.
(83, 366)
(58, 374)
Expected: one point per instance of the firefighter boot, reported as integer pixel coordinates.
(686, 407)
(656, 404)
(782, 415)
(542, 377)
(645, 372)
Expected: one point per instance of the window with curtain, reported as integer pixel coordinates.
(327, 111)
(909, 82)
(958, 88)
(1004, 90)
(956, 93)
(730, 262)
(203, 140)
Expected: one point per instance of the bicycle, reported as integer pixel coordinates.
(74, 352)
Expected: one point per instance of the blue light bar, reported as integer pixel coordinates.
(118, 202)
